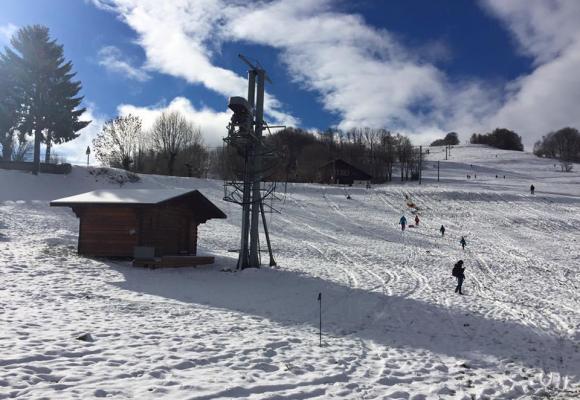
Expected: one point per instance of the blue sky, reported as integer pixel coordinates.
(420, 67)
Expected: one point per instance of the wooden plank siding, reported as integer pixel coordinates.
(171, 230)
(112, 227)
(107, 231)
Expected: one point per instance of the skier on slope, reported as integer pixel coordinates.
(462, 242)
(532, 188)
(459, 273)
(403, 223)
(442, 230)
(416, 220)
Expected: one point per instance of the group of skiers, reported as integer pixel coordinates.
(403, 222)
(458, 269)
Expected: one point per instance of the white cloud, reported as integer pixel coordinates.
(542, 29)
(6, 32)
(74, 151)
(112, 59)
(364, 74)
(547, 98)
(179, 39)
(211, 123)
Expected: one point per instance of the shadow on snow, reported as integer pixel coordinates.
(290, 299)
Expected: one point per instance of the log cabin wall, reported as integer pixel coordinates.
(168, 229)
(115, 228)
(107, 231)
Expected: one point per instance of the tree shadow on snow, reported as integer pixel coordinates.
(290, 298)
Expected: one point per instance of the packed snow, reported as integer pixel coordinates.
(392, 326)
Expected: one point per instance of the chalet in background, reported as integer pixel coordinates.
(340, 172)
(114, 223)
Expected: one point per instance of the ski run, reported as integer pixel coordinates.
(392, 326)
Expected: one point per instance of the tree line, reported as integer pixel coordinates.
(378, 152)
(500, 138)
(39, 98)
(173, 146)
(563, 145)
(451, 139)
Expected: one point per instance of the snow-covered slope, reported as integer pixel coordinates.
(392, 326)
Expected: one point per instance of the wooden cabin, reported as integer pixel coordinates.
(113, 223)
(340, 172)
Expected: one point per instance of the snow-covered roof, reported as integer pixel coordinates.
(123, 196)
(205, 209)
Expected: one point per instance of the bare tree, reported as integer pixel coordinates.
(171, 134)
(116, 144)
(195, 156)
(216, 163)
(21, 149)
(406, 156)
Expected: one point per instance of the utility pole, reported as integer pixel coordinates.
(445, 152)
(420, 163)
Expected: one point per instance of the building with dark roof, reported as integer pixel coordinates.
(340, 172)
(114, 222)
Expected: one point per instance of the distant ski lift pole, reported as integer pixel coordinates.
(420, 164)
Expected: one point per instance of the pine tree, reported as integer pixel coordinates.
(45, 81)
(9, 105)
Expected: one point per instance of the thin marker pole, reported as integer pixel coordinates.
(320, 318)
(437, 170)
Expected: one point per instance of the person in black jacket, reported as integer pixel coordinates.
(459, 273)
(532, 188)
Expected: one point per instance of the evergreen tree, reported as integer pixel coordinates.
(49, 107)
(9, 105)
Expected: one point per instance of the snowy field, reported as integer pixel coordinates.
(392, 326)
